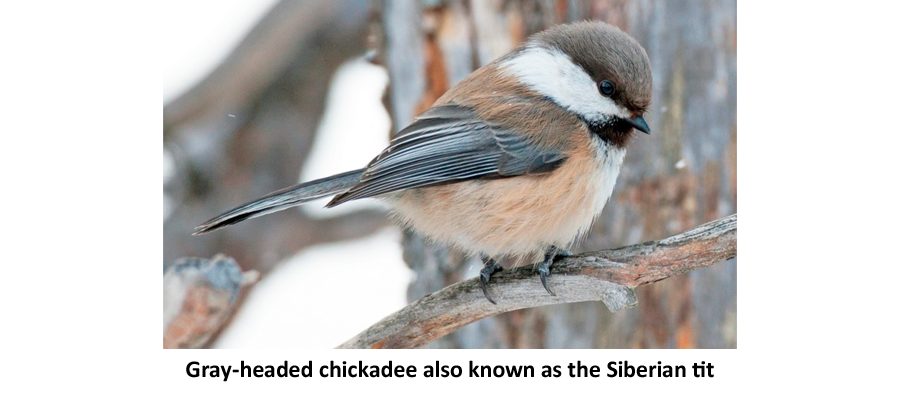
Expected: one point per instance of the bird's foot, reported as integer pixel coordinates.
(543, 267)
(490, 267)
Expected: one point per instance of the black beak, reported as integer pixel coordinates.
(638, 123)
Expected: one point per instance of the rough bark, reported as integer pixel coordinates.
(199, 296)
(681, 176)
(609, 276)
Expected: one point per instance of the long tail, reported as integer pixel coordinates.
(283, 199)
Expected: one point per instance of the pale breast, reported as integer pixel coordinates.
(519, 216)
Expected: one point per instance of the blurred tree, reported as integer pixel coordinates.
(681, 176)
(247, 129)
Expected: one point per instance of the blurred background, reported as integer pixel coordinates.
(261, 95)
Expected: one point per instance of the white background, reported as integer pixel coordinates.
(80, 307)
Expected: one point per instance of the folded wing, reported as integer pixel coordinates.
(449, 144)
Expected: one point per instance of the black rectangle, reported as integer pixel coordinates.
(360, 371)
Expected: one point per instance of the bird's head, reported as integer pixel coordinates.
(593, 70)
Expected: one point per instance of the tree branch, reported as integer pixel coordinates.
(199, 295)
(609, 276)
(270, 48)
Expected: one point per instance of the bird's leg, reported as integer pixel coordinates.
(544, 267)
(490, 267)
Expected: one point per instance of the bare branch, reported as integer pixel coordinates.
(222, 161)
(245, 130)
(264, 54)
(609, 276)
(198, 296)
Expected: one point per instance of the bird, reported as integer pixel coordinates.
(515, 161)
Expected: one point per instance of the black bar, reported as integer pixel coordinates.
(361, 371)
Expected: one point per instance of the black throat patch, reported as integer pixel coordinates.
(615, 132)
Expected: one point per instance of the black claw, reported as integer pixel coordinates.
(545, 271)
(544, 266)
(490, 266)
(560, 253)
(484, 281)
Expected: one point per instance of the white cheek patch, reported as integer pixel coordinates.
(552, 73)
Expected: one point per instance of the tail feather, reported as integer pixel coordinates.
(283, 199)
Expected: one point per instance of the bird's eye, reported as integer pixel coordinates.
(607, 88)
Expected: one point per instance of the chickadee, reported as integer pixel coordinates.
(517, 160)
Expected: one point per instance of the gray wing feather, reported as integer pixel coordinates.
(450, 144)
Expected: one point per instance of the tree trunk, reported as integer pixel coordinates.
(681, 176)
